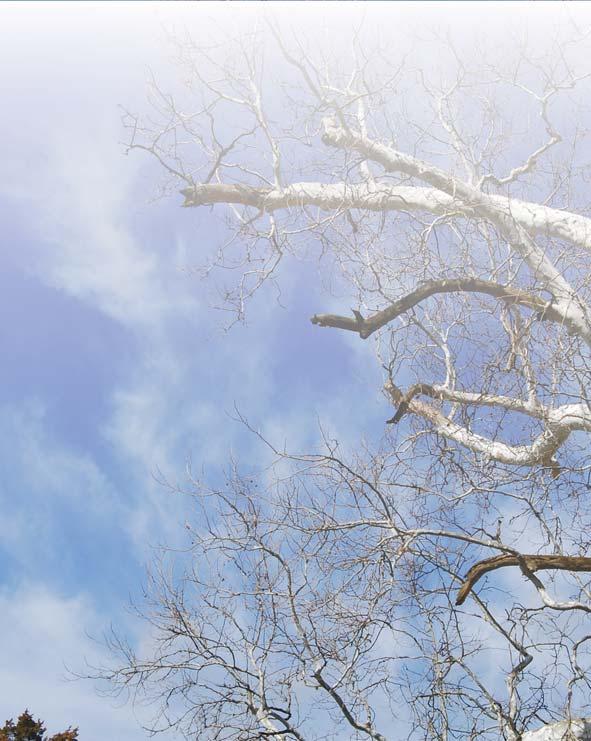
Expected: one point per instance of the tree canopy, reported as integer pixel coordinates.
(28, 729)
(436, 583)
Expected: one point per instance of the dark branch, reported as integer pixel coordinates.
(418, 388)
(529, 563)
(374, 322)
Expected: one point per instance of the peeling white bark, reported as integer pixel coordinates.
(536, 218)
(578, 729)
(560, 423)
(518, 222)
(481, 204)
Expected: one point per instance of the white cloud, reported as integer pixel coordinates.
(92, 253)
(46, 478)
(176, 407)
(42, 636)
(62, 147)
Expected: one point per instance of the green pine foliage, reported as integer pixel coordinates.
(27, 729)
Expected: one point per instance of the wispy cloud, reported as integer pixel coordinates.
(43, 635)
(90, 250)
(65, 517)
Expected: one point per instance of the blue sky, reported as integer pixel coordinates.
(113, 365)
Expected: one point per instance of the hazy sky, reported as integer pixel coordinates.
(114, 366)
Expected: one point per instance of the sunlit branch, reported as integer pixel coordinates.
(536, 218)
(501, 216)
(559, 423)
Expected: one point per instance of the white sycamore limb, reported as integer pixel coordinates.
(534, 217)
(516, 220)
(579, 729)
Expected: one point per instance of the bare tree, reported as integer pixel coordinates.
(437, 585)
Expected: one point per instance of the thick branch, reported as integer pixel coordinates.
(366, 327)
(537, 219)
(560, 423)
(577, 729)
(481, 204)
(471, 398)
(527, 562)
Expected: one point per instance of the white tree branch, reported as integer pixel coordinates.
(534, 217)
(560, 423)
(578, 729)
(498, 213)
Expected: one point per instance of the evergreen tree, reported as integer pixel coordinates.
(27, 729)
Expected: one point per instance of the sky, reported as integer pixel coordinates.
(115, 369)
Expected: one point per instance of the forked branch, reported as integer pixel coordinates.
(559, 423)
